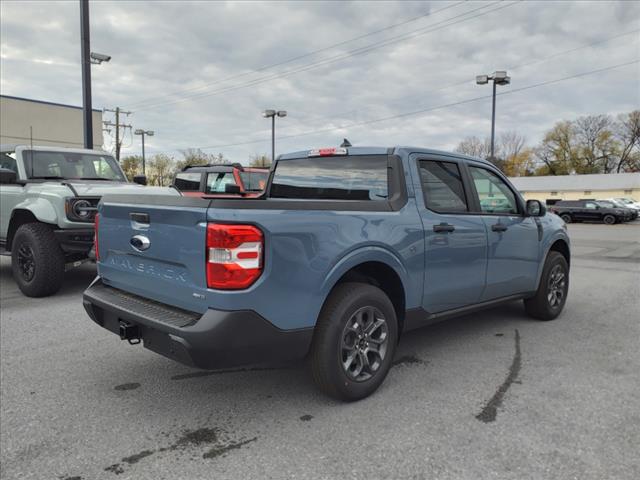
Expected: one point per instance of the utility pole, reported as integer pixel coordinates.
(117, 126)
(85, 48)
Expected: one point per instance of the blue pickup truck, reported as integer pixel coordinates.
(347, 250)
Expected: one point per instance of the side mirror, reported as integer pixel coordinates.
(8, 176)
(140, 179)
(232, 188)
(536, 208)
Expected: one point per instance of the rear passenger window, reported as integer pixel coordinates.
(494, 194)
(188, 182)
(442, 187)
(356, 177)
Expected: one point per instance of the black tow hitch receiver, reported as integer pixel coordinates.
(129, 332)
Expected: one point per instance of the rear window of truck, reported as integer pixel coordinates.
(355, 177)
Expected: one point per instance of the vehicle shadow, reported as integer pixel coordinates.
(75, 281)
(292, 382)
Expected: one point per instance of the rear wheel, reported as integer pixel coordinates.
(566, 217)
(37, 262)
(609, 219)
(354, 342)
(552, 292)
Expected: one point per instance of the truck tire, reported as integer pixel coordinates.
(37, 262)
(609, 219)
(552, 292)
(354, 341)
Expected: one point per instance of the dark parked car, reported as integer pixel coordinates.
(589, 211)
(629, 213)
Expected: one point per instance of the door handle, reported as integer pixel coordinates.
(443, 227)
(499, 227)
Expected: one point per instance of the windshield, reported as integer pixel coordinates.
(216, 182)
(72, 166)
(254, 181)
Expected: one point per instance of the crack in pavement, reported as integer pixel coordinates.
(490, 410)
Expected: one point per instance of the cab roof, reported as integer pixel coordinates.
(384, 151)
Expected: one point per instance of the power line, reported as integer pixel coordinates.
(299, 57)
(469, 81)
(352, 53)
(424, 110)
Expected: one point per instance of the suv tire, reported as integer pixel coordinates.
(609, 219)
(566, 218)
(37, 262)
(552, 291)
(351, 356)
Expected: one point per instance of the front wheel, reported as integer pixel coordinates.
(37, 261)
(354, 341)
(609, 219)
(552, 291)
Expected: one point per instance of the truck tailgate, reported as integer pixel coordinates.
(154, 247)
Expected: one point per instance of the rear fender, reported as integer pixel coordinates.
(363, 255)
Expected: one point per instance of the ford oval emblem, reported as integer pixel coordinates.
(140, 243)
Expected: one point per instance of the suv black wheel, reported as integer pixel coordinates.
(566, 218)
(354, 341)
(37, 262)
(609, 219)
(552, 292)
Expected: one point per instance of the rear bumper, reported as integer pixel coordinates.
(215, 339)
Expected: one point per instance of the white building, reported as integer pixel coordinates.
(23, 121)
(576, 187)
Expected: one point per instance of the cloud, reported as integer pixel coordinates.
(166, 51)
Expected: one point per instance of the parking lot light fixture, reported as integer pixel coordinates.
(272, 114)
(143, 133)
(499, 77)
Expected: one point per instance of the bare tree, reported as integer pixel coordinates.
(260, 161)
(474, 147)
(160, 170)
(596, 144)
(627, 132)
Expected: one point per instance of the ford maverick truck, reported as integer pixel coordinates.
(347, 250)
(48, 199)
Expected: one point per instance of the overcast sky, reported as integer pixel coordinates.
(196, 72)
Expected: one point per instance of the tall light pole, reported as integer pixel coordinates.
(272, 114)
(499, 77)
(148, 133)
(88, 57)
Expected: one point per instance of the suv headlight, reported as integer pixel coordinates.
(81, 209)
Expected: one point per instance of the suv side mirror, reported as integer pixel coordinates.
(232, 188)
(536, 208)
(140, 179)
(8, 176)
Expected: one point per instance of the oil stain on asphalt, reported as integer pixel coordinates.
(216, 439)
(408, 360)
(127, 386)
(490, 410)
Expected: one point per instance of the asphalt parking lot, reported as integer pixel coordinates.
(490, 395)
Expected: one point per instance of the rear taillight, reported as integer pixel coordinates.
(234, 256)
(95, 236)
